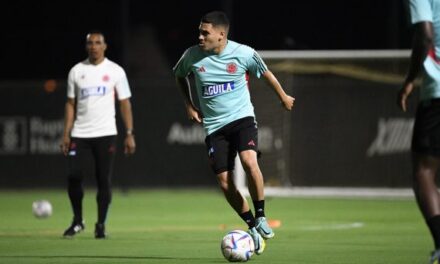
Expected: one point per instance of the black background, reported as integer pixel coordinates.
(44, 39)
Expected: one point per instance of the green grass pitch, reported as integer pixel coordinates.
(186, 226)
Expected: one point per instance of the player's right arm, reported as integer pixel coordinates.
(181, 70)
(422, 42)
(69, 115)
(192, 112)
(69, 112)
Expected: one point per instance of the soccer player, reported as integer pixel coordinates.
(221, 67)
(425, 62)
(90, 126)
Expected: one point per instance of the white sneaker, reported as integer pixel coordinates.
(263, 228)
(259, 242)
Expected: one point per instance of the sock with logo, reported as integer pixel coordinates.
(259, 208)
(248, 217)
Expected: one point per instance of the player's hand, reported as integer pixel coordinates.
(129, 145)
(65, 145)
(194, 114)
(403, 95)
(288, 102)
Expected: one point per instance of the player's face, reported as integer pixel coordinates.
(210, 38)
(95, 46)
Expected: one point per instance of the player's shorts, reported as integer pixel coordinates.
(223, 144)
(426, 133)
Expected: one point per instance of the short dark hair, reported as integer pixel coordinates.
(216, 18)
(95, 31)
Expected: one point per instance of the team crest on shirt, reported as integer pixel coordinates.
(106, 78)
(231, 68)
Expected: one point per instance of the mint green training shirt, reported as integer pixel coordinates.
(222, 81)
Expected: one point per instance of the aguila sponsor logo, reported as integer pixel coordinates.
(217, 89)
(92, 91)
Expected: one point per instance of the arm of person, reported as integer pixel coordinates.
(422, 42)
(287, 100)
(193, 113)
(127, 117)
(69, 115)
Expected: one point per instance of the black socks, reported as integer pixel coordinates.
(259, 208)
(248, 217)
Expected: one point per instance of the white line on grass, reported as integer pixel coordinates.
(334, 226)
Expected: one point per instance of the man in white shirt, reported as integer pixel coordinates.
(90, 126)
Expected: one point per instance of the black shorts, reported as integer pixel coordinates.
(426, 133)
(223, 144)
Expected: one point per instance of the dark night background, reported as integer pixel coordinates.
(44, 39)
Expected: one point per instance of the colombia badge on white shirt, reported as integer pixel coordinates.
(95, 88)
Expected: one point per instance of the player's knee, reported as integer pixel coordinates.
(223, 185)
(74, 175)
(424, 174)
(74, 187)
(249, 159)
(74, 179)
(249, 164)
(223, 182)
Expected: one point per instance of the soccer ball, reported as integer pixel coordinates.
(42, 209)
(237, 246)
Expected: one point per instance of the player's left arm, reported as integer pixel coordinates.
(127, 117)
(287, 100)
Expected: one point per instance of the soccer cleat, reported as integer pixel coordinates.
(263, 228)
(100, 231)
(74, 229)
(435, 257)
(259, 242)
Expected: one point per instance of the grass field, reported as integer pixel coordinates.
(186, 226)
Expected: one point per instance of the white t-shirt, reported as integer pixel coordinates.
(95, 88)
